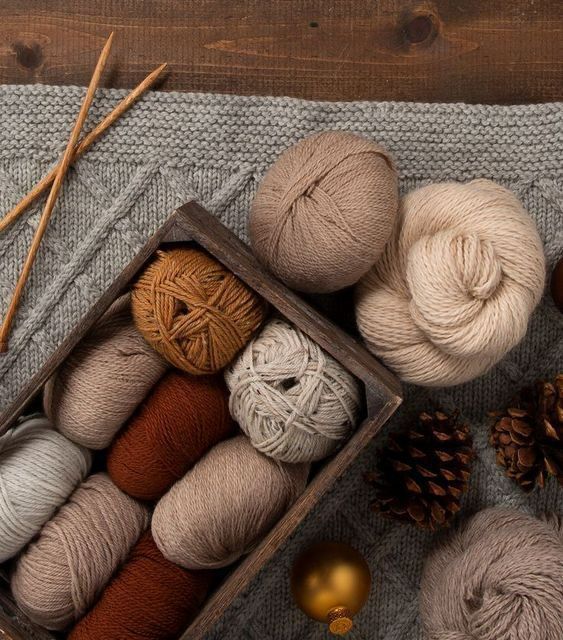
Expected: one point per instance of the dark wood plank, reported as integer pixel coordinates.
(489, 51)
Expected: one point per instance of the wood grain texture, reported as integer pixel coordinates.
(62, 168)
(489, 51)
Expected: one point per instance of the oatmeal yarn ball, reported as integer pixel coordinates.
(324, 211)
(224, 506)
(499, 576)
(456, 286)
(62, 572)
(105, 378)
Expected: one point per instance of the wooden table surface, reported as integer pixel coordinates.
(490, 51)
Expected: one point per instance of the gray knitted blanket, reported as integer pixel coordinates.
(174, 147)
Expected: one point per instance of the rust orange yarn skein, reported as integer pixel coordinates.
(194, 311)
(181, 419)
(150, 597)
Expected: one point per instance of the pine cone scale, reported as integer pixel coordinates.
(528, 437)
(423, 471)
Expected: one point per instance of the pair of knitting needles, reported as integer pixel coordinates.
(54, 179)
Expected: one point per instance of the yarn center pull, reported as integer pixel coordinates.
(453, 279)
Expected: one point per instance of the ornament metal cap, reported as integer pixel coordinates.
(339, 621)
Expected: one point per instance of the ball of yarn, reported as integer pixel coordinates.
(499, 577)
(103, 380)
(39, 469)
(223, 506)
(149, 597)
(324, 211)
(60, 575)
(182, 418)
(294, 401)
(194, 311)
(456, 286)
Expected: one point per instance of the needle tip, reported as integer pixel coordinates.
(109, 40)
(3, 347)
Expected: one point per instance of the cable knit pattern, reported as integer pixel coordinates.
(173, 147)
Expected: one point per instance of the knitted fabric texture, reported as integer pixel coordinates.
(173, 147)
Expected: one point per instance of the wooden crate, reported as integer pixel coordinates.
(191, 223)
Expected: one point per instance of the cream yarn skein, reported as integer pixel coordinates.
(39, 469)
(60, 575)
(224, 505)
(294, 401)
(456, 286)
(103, 380)
(499, 577)
(324, 211)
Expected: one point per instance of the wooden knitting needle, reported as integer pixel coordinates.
(83, 145)
(51, 199)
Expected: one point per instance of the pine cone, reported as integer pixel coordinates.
(423, 471)
(528, 437)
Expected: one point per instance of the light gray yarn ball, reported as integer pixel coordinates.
(39, 469)
(294, 401)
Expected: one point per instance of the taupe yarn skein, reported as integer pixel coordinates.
(224, 505)
(498, 577)
(60, 575)
(456, 285)
(324, 211)
(101, 383)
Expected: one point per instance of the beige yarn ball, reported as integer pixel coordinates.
(499, 577)
(294, 401)
(105, 378)
(324, 211)
(59, 576)
(224, 505)
(456, 286)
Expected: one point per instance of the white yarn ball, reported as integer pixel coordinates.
(294, 401)
(39, 469)
(456, 286)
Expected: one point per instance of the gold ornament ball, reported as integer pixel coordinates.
(331, 582)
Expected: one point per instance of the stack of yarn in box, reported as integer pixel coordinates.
(202, 413)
